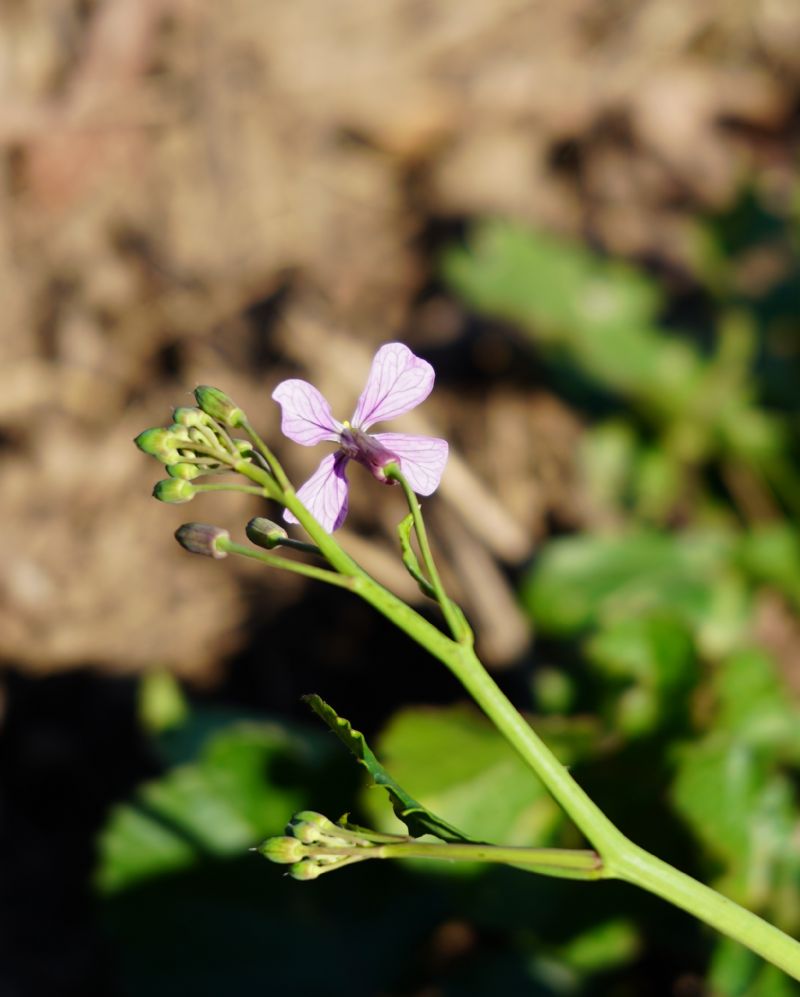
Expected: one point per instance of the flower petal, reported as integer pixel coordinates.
(422, 458)
(398, 381)
(325, 493)
(306, 416)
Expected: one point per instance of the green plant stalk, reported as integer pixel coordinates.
(621, 858)
(451, 616)
(564, 863)
(275, 561)
(222, 487)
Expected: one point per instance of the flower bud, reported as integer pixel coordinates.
(216, 404)
(310, 827)
(179, 433)
(159, 443)
(282, 850)
(191, 417)
(306, 833)
(198, 538)
(186, 471)
(174, 491)
(305, 871)
(264, 533)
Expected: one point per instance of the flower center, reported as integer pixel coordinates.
(367, 451)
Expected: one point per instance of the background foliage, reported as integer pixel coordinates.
(587, 217)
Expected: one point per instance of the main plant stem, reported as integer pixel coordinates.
(621, 858)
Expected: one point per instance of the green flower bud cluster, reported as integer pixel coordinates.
(313, 845)
(197, 443)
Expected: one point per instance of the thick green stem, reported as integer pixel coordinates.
(620, 858)
(634, 865)
(556, 777)
(563, 863)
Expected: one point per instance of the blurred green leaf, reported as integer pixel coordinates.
(417, 818)
(745, 814)
(771, 553)
(736, 972)
(162, 705)
(753, 704)
(535, 277)
(599, 311)
(228, 799)
(656, 653)
(461, 766)
(602, 946)
(733, 969)
(579, 582)
(606, 457)
(656, 650)
(657, 483)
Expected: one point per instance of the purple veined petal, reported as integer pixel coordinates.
(306, 416)
(325, 493)
(398, 381)
(422, 458)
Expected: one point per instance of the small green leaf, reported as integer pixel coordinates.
(414, 815)
(410, 559)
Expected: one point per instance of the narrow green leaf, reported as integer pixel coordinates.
(410, 560)
(416, 817)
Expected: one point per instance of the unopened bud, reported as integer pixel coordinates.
(217, 404)
(310, 827)
(191, 417)
(313, 817)
(174, 491)
(306, 833)
(305, 871)
(186, 471)
(159, 443)
(282, 850)
(179, 433)
(264, 533)
(198, 538)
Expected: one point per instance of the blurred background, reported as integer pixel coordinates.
(587, 216)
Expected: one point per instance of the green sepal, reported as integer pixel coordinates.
(417, 818)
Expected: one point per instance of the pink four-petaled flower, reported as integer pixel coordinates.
(397, 383)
